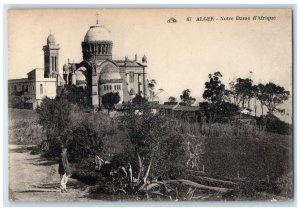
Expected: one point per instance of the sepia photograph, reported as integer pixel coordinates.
(150, 105)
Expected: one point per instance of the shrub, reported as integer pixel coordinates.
(86, 140)
(274, 125)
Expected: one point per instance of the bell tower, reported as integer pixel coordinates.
(51, 55)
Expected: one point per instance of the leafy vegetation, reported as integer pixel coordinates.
(153, 156)
(186, 98)
(109, 100)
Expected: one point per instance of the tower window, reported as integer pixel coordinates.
(41, 88)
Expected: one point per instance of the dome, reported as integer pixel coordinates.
(50, 39)
(110, 74)
(97, 33)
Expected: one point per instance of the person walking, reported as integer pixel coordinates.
(64, 170)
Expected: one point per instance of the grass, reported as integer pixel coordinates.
(232, 151)
(23, 127)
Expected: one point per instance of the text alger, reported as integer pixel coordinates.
(205, 19)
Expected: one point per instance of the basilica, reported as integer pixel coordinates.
(98, 73)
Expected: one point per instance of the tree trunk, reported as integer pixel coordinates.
(255, 107)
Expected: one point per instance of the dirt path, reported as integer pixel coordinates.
(32, 178)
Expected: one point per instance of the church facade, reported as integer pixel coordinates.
(99, 73)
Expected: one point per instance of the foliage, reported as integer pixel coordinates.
(87, 140)
(110, 99)
(74, 94)
(254, 94)
(15, 102)
(54, 116)
(214, 89)
(273, 124)
(243, 88)
(138, 100)
(82, 136)
(232, 95)
(151, 87)
(170, 157)
(219, 112)
(172, 99)
(186, 98)
(272, 95)
(158, 153)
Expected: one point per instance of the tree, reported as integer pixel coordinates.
(254, 91)
(186, 98)
(243, 88)
(151, 86)
(54, 116)
(74, 94)
(233, 94)
(220, 112)
(214, 89)
(261, 96)
(152, 90)
(110, 99)
(138, 100)
(158, 147)
(272, 95)
(172, 99)
(87, 138)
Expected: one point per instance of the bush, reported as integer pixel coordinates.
(84, 171)
(274, 125)
(155, 140)
(86, 140)
(220, 112)
(170, 158)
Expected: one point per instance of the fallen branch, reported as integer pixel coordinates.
(208, 179)
(196, 185)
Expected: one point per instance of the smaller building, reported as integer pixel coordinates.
(32, 90)
(189, 113)
(246, 111)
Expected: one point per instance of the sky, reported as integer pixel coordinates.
(180, 55)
